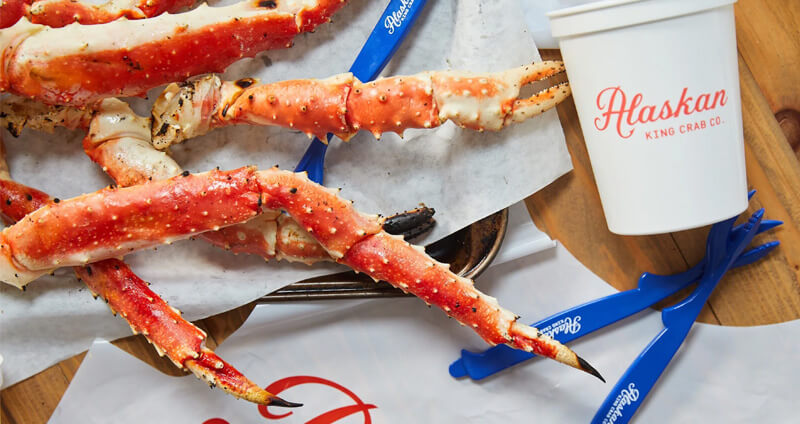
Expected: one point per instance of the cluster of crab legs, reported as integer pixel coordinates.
(57, 78)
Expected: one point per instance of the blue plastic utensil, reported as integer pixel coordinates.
(586, 318)
(392, 27)
(630, 391)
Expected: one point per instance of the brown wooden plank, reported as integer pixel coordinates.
(768, 36)
(770, 291)
(70, 366)
(5, 417)
(33, 400)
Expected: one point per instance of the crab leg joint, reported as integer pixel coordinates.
(115, 221)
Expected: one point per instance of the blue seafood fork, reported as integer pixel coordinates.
(584, 319)
(392, 27)
(630, 391)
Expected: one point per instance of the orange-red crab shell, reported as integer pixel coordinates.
(115, 221)
(347, 235)
(342, 105)
(80, 64)
(146, 312)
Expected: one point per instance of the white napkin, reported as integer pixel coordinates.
(394, 355)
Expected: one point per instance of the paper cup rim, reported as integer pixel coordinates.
(611, 14)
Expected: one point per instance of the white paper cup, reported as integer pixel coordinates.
(656, 86)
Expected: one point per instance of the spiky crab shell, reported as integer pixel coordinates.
(115, 221)
(408, 267)
(146, 312)
(80, 64)
(118, 140)
(163, 326)
(347, 235)
(18, 200)
(59, 13)
(342, 105)
(331, 220)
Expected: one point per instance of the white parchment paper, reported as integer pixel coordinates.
(464, 175)
(394, 354)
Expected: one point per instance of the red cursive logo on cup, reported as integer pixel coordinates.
(326, 418)
(624, 115)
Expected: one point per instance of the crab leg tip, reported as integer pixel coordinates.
(276, 401)
(585, 366)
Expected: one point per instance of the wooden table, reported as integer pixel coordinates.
(569, 210)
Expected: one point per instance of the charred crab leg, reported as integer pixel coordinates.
(17, 113)
(147, 313)
(58, 13)
(80, 64)
(111, 223)
(343, 105)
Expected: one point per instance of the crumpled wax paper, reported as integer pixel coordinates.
(464, 175)
(394, 354)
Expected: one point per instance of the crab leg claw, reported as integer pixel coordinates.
(162, 325)
(110, 223)
(342, 105)
(390, 258)
(410, 224)
(146, 313)
(217, 372)
(488, 102)
(357, 241)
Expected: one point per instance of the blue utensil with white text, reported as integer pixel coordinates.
(392, 27)
(581, 320)
(632, 388)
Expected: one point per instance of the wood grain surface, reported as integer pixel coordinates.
(569, 210)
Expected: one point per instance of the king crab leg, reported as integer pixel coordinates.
(111, 222)
(59, 13)
(146, 313)
(343, 105)
(119, 141)
(80, 64)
